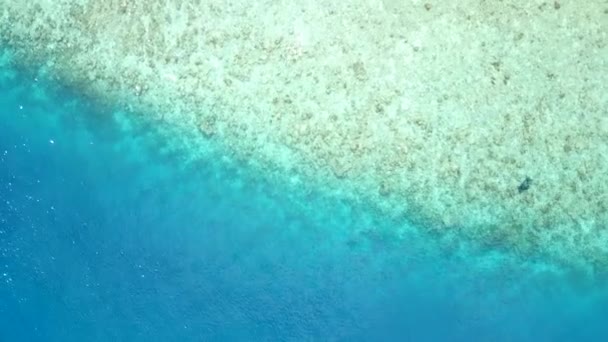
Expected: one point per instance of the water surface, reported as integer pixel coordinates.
(109, 231)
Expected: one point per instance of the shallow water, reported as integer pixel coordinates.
(109, 231)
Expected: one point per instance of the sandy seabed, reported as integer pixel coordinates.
(434, 111)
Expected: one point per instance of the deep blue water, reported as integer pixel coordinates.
(110, 232)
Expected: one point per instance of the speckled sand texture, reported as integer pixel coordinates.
(438, 110)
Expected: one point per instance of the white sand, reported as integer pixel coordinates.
(434, 110)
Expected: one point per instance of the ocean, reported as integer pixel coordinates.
(111, 231)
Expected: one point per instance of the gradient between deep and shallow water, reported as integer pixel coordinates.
(108, 231)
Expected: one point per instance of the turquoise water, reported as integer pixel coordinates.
(110, 231)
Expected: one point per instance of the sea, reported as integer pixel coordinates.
(112, 230)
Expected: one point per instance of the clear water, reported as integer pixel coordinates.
(109, 232)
